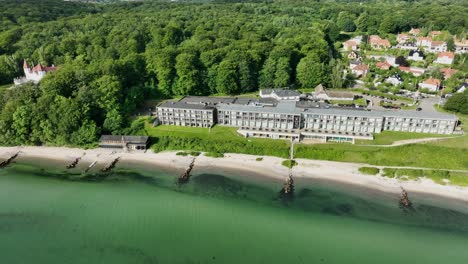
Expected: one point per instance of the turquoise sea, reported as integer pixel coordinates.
(142, 216)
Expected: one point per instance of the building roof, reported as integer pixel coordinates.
(124, 139)
(184, 105)
(432, 81)
(383, 65)
(438, 43)
(419, 52)
(361, 67)
(206, 100)
(448, 54)
(280, 92)
(448, 72)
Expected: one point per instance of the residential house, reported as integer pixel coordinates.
(415, 31)
(435, 33)
(395, 80)
(402, 38)
(415, 71)
(407, 46)
(360, 70)
(350, 45)
(383, 65)
(378, 43)
(424, 42)
(354, 63)
(445, 58)
(461, 45)
(448, 72)
(353, 55)
(416, 55)
(437, 46)
(430, 84)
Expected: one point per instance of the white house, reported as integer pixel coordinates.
(360, 70)
(33, 74)
(416, 55)
(461, 45)
(415, 31)
(395, 80)
(431, 84)
(445, 58)
(280, 94)
(424, 42)
(437, 46)
(402, 38)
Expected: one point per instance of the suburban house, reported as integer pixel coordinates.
(402, 38)
(360, 70)
(461, 46)
(322, 94)
(448, 72)
(353, 55)
(437, 46)
(435, 33)
(350, 45)
(34, 74)
(431, 84)
(424, 42)
(445, 57)
(395, 80)
(408, 45)
(415, 71)
(416, 55)
(280, 94)
(383, 65)
(124, 142)
(390, 59)
(378, 43)
(415, 31)
(354, 63)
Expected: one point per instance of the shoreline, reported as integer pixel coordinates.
(344, 173)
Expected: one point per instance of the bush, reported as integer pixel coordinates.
(182, 153)
(214, 155)
(458, 103)
(388, 172)
(194, 153)
(369, 170)
(259, 159)
(289, 163)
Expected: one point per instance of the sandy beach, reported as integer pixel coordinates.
(341, 172)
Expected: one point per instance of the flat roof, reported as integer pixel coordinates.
(183, 105)
(127, 139)
(283, 107)
(207, 100)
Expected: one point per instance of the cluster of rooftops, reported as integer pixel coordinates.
(301, 105)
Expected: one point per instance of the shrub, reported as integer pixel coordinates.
(289, 163)
(182, 153)
(214, 155)
(389, 172)
(194, 153)
(369, 170)
(259, 159)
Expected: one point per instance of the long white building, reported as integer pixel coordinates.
(300, 120)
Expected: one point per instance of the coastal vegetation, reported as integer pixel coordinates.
(188, 153)
(438, 176)
(214, 155)
(369, 170)
(289, 163)
(390, 137)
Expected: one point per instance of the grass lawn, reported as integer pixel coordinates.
(218, 139)
(5, 86)
(388, 137)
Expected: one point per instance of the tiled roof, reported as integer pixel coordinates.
(448, 54)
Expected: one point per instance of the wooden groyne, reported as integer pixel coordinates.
(111, 165)
(74, 163)
(7, 162)
(184, 178)
(288, 187)
(404, 199)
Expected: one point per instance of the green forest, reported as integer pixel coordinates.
(114, 56)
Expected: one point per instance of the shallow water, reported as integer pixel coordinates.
(142, 216)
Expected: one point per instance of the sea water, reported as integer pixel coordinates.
(142, 216)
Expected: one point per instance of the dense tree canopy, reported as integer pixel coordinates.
(111, 57)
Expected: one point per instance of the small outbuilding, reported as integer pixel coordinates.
(124, 142)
